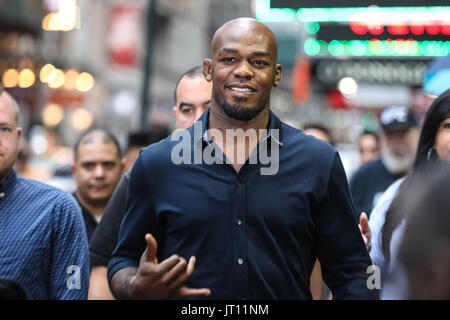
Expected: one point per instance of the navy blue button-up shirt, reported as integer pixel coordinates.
(255, 236)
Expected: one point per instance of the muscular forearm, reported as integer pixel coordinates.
(121, 283)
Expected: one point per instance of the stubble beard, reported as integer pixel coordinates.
(237, 112)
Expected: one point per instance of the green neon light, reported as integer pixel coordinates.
(365, 48)
(312, 27)
(264, 13)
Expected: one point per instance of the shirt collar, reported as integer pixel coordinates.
(6, 184)
(274, 123)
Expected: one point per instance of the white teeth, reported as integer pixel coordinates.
(241, 89)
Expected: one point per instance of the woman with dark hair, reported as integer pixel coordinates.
(387, 220)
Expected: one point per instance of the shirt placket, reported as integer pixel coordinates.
(240, 256)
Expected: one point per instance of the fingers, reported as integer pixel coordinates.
(181, 273)
(364, 222)
(150, 252)
(189, 292)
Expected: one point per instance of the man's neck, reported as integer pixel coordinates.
(3, 177)
(237, 149)
(96, 211)
(219, 120)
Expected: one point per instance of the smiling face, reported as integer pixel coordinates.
(243, 68)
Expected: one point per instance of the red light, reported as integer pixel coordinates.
(417, 29)
(445, 29)
(432, 29)
(376, 29)
(358, 27)
(399, 29)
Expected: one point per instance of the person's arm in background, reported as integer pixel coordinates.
(104, 241)
(69, 274)
(341, 251)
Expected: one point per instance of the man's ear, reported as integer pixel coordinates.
(277, 78)
(207, 69)
(73, 168)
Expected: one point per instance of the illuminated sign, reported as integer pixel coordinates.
(296, 4)
(408, 11)
(374, 47)
(330, 71)
(356, 30)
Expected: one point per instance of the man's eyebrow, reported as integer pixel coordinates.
(207, 102)
(255, 53)
(262, 54)
(230, 50)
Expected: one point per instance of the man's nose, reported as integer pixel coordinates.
(244, 70)
(99, 171)
(198, 113)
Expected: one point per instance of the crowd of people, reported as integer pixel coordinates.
(264, 211)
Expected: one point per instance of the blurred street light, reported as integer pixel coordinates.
(348, 87)
(81, 119)
(26, 78)
(71, 76)
(52, 115)
(85, 82)
(63, 20)
(44, 74)
(56, 79)
(10, 78)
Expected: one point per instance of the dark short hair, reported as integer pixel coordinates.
(321, 127)
(191, 73)
(108, 137)
(370, 133)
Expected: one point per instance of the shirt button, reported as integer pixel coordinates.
(238, 222)
(240, 261)
(237, 183)
(2, 195)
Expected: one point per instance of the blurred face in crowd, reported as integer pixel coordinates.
(193, 98)
(442, 141)
(319, 134)
(97, 171)
(399, 149)
(369, 149)
(9, 135)
(243, 68)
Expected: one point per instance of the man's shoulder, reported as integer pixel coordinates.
(42, 191)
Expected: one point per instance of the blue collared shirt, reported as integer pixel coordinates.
(255, 236)
(43, 244)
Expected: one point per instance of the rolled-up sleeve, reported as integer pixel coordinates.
(138, 221)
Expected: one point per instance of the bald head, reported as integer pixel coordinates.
(9, 100)
(242, 26)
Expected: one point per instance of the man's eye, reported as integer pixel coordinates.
(5, 130)
(260, 63)
(88, 166)
(187, 111)
(228, 59)
(447, 125)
